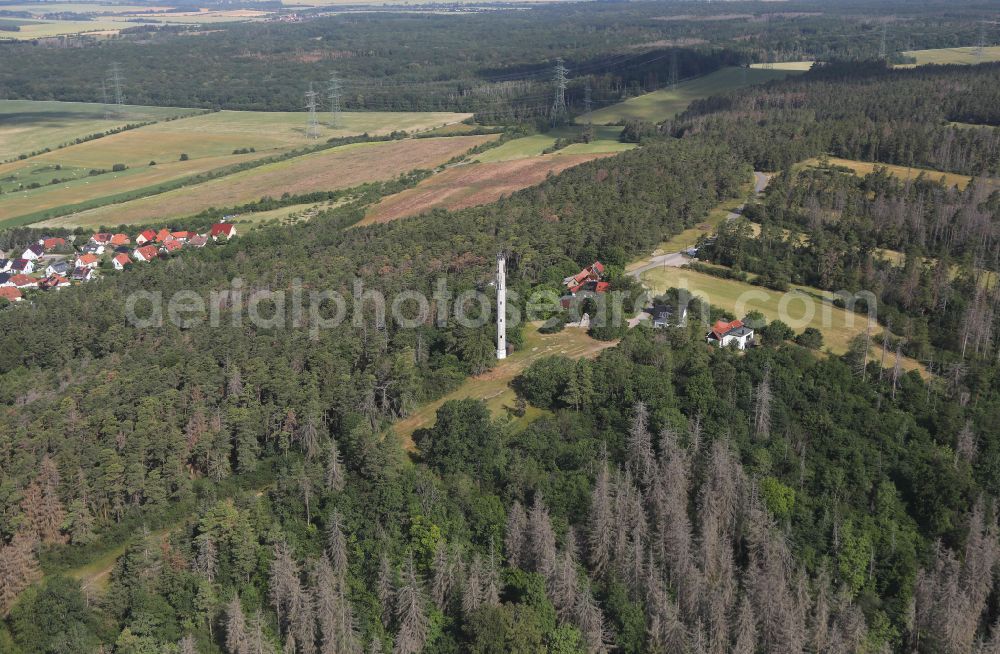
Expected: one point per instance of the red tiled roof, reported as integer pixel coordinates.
(598, 266)
(184, 235)
(721, 328)
(149, 235)
(222, 229)
(10, 293)
(163, 235)
(173, 244)
(147, 252)
(122, 258)
(101, 237)
(602, 287)
(120, 239)
(53, 242)
(22, 280)
(87, 259)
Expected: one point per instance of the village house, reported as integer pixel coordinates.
(52, 242)
(57, 268)
(726, 333)
(172, 245)
(5, 264)
(197, 241)
(182, 235)
(53, 281)
(33, 251)
(11, 294)
(220, 230)
(120, 239)
(146, 253)
(25, 266)
(120, 261)
(668, 316)
(162, 235)
(591, 273)
(83, 274)
(93, 248)
(87, 261)
(145, 237)
(101, 238)
(23, 281)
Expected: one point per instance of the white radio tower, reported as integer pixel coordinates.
(501, 306)
(313, 130)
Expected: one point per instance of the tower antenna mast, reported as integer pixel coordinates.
(501, 306)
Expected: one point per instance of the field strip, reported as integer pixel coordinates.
(471, 185)
(862, 168)
(333, 169)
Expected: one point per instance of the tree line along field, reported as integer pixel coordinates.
(666, 103)
(337, 168)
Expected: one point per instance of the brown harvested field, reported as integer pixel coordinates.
(470, 185)
(333, 169)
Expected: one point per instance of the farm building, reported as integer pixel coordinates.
(591, 273)
(726, 333)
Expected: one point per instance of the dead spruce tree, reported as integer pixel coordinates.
(762, 407)
(639, 446)
(237, 641)
(515, 535)
(334, 614)
(541, 541)
(600, 522)
(411, 613)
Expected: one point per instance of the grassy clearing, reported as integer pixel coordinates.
(862, 168)
(28, 126)
(493, 387)
(666, 103)
(288, 215)
(801, 307)
(967, 55)
(328, 170)
(470, 185)
(532, 146)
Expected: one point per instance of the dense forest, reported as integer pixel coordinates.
(498, 63)
(244, 486)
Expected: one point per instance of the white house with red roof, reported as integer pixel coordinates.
(145, 237)
(10, 294)
(119, 261)
(725, 333)
(88, 261)
(23, 281)
(146, 253)
(220, 230)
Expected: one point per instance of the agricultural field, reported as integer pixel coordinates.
(493, 387)
(28, 126)
(332, 169)
(839, 327)
(967, 55)
(270, 129)
(39, 29)
(785, 65)
(532, 146)
(666, 103)
(862, 168)
(469, 185)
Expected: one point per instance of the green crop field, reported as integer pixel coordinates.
(666, 103)
(968, 55)
(27, 126)
(532, 146)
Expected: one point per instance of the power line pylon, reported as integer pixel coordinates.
(588, 102)
(673, 69)
(118, 87)
(981, 43)
(333, 92)
(883, 52)
(313, 130)
(559, 83)
(108, 115)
